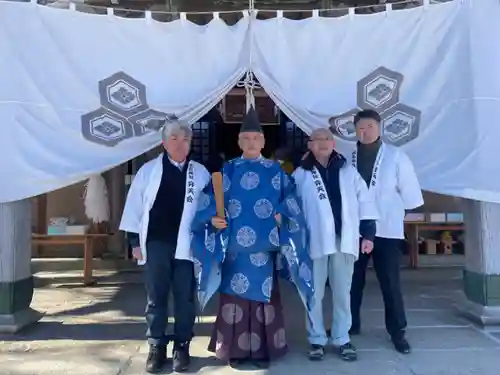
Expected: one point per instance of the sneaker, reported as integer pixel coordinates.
(401, 345)
(180, 357)
(316, 353)
(156, 359)
(348, 352)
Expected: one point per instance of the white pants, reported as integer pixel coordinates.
(338, 268)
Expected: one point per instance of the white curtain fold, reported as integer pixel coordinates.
(413, 66)
(79, 92)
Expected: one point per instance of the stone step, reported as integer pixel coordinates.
(75, 278)
(113, 264)
(41, 265)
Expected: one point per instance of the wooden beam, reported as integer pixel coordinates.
(116, 188)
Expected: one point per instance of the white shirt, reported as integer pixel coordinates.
(357, 205)
(180, 165)
(397, 190)
(142, 195)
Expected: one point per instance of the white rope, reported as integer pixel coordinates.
(249, 80)
(402, 2)
(250, 85)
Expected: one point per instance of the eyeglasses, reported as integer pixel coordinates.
(320, 140)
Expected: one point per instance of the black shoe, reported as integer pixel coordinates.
(180, 357)
(316, 353)
(261, 364)
(156, 358)
(401, 345)
(355, 331)
(237, 363)
(348, 352)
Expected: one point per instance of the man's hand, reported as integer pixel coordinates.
(278, 219)
(366, 246)
(137, 253)
(219, 222)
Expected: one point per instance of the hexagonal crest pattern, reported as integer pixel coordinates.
(400, 124)
(105, 128)
(148, 121)
(123, 94)
(343, 125)
(379, 90)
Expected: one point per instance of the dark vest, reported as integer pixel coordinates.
(331, 179)
(165, 215)
(366, 159)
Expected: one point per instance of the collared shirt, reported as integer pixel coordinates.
(180, 165)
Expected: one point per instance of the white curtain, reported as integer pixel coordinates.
(482, 182)
(413, 66)
(77, 90)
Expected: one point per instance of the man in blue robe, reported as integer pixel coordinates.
(240, 255)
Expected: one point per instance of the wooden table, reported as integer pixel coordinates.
(412, 230)
(86, 240)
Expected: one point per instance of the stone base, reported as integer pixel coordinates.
(483, 315)
(481, 288)
(13, 323)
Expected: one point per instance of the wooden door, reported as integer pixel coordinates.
(293, 138)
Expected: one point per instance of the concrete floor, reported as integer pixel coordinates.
(99, 331)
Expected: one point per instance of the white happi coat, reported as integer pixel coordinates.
(395, 188)
(357, 205)
(142, 195)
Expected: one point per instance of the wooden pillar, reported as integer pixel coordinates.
(116, 181)
(41, 220)
(328, 4)
(41, 212)
(167, 6)
(16, 280)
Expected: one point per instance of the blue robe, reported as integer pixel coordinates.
(241, 260)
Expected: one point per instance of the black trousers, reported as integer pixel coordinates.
(386, 262)
(164, 273)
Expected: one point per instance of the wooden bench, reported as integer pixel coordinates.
(412, 230)
(86, 240)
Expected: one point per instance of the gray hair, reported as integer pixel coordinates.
(176, 126)
(323, 131)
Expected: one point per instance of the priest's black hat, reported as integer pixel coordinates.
(251, 122)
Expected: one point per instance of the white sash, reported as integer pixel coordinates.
(190, 185)
(319, 185)
(322, 198)
(183, 250)
(376, 166)
(319, 215)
